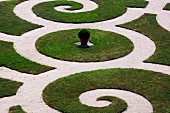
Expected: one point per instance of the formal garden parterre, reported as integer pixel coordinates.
(50, 73)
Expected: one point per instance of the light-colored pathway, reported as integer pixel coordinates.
(29, 95)
(133, 100)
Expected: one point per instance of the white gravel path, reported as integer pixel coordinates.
(29, 95)
(134, 101)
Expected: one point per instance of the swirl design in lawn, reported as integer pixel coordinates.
(106, 10)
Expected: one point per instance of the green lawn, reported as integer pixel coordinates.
(9, 58)
(63, 94)
(8, 87)
(107, 46)
(16, 109)
(167, 7)
(108, 9)
(10, 23)
(147, 25)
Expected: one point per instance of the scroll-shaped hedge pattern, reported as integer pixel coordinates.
(11, 59)
(10, 23)
(63, 94)
(147, 25)
(108, 9)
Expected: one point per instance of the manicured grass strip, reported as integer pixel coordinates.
(108, 9)
(167, 7)
(16, 109)
(10, 23)
(63, 94)
(8, 87)
(118, 104)
(147, 25)
(107, 46)
(9, 58)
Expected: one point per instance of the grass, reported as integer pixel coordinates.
(8, 87)
(167, 7)
(16, 109)
(148, 26)
(9, 58)
(108, 9)
(107, 46)
(10, 23)
(63, 94)
(118, 104)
